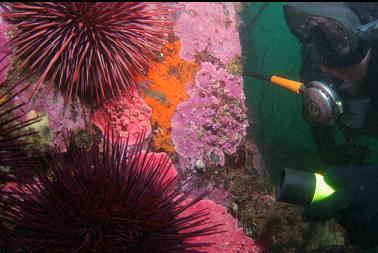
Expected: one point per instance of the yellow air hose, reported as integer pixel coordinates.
(291, 85)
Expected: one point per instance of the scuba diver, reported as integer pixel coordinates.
(340, 65)
(340, 50)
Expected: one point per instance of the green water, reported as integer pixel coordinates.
(284, 138)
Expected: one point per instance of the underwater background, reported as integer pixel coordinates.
(271, 49)
(225, 135)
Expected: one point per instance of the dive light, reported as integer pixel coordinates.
(321, 103)
(302, 188)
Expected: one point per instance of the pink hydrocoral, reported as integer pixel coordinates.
(209, 27)
(232, 239)
(128, 117)
(213, 122)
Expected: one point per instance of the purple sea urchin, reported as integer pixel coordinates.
(117, 200)
(92, 50)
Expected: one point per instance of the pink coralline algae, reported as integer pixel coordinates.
(232, 239)
(208, 27)
(159, 158)
(213, 122)
(62, 117)
(128, 117)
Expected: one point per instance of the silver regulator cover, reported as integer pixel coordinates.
(321, 104)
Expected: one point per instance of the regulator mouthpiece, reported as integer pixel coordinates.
(302, 188)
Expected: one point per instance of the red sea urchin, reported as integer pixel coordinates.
(93, 50)
(118, 200)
